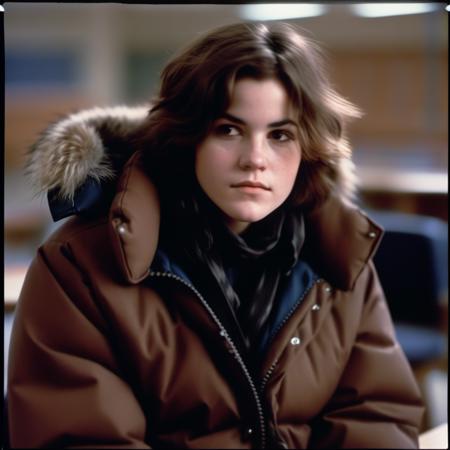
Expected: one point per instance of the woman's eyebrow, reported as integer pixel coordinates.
(232, 118)
(279, 123)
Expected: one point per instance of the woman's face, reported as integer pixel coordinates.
(248, 163)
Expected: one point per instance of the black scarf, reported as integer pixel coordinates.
(255, 263)
(247, 269)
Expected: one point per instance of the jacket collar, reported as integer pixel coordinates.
(134, 220)
(340, 238)
(340, 241)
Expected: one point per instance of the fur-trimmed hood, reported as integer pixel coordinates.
(94, 144)
(91, 144)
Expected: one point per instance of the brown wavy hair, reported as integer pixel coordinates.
(196, 87)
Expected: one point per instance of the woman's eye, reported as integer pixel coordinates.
(282, 135)
(226, 130)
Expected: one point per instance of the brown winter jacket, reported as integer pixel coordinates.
(109, 351)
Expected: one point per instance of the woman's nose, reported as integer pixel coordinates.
(253, 155)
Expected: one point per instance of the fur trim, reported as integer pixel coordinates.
(73, 149)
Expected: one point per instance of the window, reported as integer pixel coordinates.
(142, 73)
(41, 68)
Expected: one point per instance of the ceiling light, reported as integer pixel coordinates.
(280, 11)
(392, 9)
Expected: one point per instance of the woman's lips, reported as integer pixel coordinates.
(251, 185)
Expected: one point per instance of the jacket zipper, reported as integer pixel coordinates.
(224, 333)
(267, 375)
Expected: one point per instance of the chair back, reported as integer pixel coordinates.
(412, 263)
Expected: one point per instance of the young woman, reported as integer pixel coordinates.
(216, 289)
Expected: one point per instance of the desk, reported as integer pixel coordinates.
(435, 438)
(404, 190)
(386, 179)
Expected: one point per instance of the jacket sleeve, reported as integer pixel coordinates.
(377, 403)
(65, 385)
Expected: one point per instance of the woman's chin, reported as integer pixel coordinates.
(239, 222)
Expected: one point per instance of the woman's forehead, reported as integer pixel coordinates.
(266, 100)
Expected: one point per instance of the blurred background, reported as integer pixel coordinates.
(392, 61)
